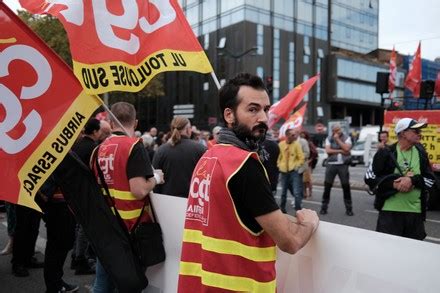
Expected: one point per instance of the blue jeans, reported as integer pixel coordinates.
(292, 181)
(103, 283)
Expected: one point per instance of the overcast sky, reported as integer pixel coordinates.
(401, 23)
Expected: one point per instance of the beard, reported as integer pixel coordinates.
(252, 137)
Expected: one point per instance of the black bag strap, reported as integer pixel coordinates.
(394, 160)
(110, 200)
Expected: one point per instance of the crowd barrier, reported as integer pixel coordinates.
(338, 259)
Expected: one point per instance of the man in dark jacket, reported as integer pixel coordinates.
(401, 175)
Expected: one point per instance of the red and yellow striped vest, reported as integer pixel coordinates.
(112, 157)
(219, 253)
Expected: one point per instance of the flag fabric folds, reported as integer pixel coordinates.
(393, 72)
(285, 106)
(414, 77)
(295, 120)
(44, 109)
(122, 45)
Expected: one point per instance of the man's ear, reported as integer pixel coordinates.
(229, 116)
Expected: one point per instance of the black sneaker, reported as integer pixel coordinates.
(19, 270)
(35, 263)
(69, 287)
(323, 212)
(349, 213)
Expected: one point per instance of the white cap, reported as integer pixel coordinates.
(408, 123)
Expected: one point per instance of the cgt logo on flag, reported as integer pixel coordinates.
(43, 110)
(127, 42)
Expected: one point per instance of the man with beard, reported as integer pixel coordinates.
(232, 220)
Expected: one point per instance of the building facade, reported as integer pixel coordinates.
(285, 42)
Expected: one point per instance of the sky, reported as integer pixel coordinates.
(401, 23)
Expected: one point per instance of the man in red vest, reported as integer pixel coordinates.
(232, 220)
(129, 175)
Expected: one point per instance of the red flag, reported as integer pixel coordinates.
(283, 107)
(393, 72)
(295, 120)
(437, 86)
(122, 45)
(414, 77)
(43, 109)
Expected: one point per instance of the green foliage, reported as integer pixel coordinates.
(51, 31)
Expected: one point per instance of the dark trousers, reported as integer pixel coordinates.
(409, 225)
(330, 173)
(60, 225)
(26, 233)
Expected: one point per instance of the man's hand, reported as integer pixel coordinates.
(158, 176)
(403, 184)
(308, 216)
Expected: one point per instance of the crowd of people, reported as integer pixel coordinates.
(243, 162)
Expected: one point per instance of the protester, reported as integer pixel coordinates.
(60, 228)
(94, 132)
(383, 139)
(148, 142)
(10, 217)
(338, 147)
(311, 163)
(403, 175)
(177, 158)
(290, 160)
(128, 174)
(25, 237)
(269, 157)
(214, 139)
(231, 202)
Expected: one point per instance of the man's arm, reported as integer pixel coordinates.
(140, 187)
(290, 236)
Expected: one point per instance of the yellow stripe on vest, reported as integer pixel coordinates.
(227, 282)
(122, 195)
(231, 247)
(128, 215)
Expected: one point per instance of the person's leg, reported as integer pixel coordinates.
(330, 174)
(344, 176)
(60, 236)
(284, 186)
(81, 261)
(297, 182)
(103, 283)
(414, 226)
(10, 214)
(390, 223)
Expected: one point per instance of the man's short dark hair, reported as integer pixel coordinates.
(228, 93)
(384, 132)
(91, 126)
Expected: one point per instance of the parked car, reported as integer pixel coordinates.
(358, 152)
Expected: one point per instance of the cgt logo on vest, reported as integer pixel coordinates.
(106, 161)
(198, 204)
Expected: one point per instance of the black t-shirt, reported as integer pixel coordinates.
(138, 164)
(251, 193)
(84, 149)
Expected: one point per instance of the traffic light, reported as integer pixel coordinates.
(269, 84)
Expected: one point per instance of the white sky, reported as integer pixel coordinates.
(401, 23)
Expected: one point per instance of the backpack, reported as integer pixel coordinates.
(313, 159)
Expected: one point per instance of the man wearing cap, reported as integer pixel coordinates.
(402, 175)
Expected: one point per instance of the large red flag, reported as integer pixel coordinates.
(122, 45)
(283, 107)
(43, 109)
(414, 77)
(393, 72)
(437, 86)
(295, 120)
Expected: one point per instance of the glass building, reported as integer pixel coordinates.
(287, 42)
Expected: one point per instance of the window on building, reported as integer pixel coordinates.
(291, 65)
(260, 71)
(306, 97)
(260, 39)
(276, 64)
(206, 41)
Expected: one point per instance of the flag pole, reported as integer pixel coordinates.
(214, 77)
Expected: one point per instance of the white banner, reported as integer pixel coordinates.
(338, 259)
